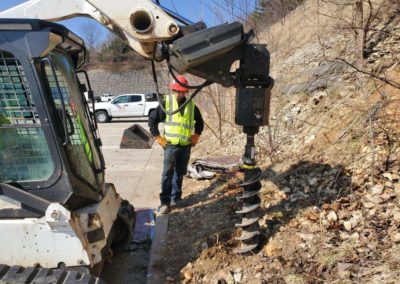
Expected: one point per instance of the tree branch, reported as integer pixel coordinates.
(372, 74)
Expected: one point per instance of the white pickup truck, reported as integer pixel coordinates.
(106, 97)
(127, 105)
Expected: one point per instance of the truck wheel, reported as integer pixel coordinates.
(102, 116)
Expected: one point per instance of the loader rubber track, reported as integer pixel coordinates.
(31, 275)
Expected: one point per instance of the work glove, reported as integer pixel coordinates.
(194, 139)
(161, 140)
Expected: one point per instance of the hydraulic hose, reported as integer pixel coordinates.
(191, 97)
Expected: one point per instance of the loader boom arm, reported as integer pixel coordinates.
(139, 22)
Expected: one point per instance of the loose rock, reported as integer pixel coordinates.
(332, 217)
(347, 225)
(377, 189)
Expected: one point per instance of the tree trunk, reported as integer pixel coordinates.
(360, 34)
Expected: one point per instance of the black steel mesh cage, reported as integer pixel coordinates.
(76, 137)
(15, 95)
(24, 153)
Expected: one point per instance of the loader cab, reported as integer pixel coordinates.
(49, 146)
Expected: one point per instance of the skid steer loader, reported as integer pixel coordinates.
(56, 211)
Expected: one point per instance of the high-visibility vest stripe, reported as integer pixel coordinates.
(177, 135)
(178, 124)
(170, 109)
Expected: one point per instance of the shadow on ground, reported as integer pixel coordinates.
(208, 219)
(130, 260)
(306, 185)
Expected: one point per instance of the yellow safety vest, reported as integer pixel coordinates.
(177, 127)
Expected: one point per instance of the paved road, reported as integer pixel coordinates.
(136, 173)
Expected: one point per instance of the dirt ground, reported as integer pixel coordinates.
(129, 266)
(201, 234)
(206, 221)
(319, 224)
(330, 197)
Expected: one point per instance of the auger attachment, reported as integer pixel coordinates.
(250, 199)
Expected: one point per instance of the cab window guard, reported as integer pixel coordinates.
(64, 111)
(91, 97)
(93, 120)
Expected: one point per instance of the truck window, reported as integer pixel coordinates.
(152, 97)
(81, 154)
(24, 152)
(121, 100)
(135, 99)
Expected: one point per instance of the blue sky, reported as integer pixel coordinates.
(212, 12)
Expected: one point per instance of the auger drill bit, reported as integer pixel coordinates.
(250, 199)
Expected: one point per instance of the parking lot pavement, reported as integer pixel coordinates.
(136, 173)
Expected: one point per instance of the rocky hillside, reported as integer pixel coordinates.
(330, 160)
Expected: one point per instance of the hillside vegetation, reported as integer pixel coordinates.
(330, 160)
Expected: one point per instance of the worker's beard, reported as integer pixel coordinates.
(181, 98)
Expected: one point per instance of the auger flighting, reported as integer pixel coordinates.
(250, 198)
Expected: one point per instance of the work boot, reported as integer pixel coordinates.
(163, 209)
(177, 202)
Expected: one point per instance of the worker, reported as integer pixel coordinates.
(182, 131)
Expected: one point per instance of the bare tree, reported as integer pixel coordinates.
(364, 14)
(90, 32)
(215, 97)
(359, 31)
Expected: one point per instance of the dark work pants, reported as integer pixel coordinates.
(176, 159)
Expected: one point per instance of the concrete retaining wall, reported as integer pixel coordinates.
(140, 81)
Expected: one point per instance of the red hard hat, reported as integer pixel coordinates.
(176, 87)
